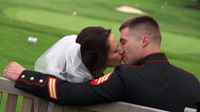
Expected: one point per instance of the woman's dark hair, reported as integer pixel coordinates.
(94, 49)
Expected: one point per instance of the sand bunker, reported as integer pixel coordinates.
(128, 9)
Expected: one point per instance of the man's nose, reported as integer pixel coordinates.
(121, 51)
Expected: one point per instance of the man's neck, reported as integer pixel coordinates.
(149, 50)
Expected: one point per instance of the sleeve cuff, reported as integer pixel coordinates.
(20, 75)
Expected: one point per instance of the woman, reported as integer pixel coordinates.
(83, 57)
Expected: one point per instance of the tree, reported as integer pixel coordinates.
(198, 4)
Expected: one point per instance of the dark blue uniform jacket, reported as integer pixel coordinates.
(153, 82)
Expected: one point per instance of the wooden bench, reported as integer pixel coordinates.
(7, 86)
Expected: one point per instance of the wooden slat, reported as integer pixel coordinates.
(42, 105)
(35, 105)
(73, 109)
(11, 103)
(27, 104)
(119, 107)
(76, 109)
(51, 107)
(0, 97)
(66, 109)
(7, 86)
(188, 109)
(58, 108)
(85, 110)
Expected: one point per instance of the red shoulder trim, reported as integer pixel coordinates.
(157, 61)
(130, 66)
(184, 70)
(150, 55)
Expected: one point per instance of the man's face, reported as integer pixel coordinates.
(131, 46)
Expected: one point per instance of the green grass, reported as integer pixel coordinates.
(50, 20)
(177, 43)
(60, 20)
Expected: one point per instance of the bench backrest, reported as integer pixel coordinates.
(7, 86)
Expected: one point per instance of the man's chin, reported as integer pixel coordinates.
(124, 60)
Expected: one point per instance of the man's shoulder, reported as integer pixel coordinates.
(182, 72)
(125, 69)
(126, 66)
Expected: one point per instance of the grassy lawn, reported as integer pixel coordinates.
(50, 20)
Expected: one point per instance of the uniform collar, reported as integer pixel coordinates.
(154, 57)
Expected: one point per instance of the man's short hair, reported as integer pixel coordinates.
(143, 25)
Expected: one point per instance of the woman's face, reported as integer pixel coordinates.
(115, 53)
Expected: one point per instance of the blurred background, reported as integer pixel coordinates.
(50, 20)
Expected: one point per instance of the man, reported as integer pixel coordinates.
(146, 79)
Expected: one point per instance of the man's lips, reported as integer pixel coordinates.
(123, 57)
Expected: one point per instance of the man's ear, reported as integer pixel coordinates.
(145, 40)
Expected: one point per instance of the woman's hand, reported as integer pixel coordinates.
(13, 70)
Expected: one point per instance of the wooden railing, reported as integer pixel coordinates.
(7, 86)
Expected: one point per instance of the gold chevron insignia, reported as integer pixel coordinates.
(101, 79)
(52, 88)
